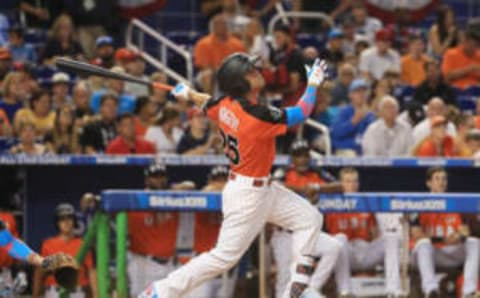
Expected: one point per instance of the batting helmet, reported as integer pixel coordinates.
(64, 210)
(231, 75)
(299, 147)
(218, 172)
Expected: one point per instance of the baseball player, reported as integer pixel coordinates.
(443, 240)
(152, 237)
(363, 246)
(250, 199)
(304, 180)
(65, 242)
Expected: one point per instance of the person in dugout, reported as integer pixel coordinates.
(65, 242)
(444, 240)
(308, 182)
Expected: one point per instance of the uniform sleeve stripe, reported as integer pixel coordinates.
(264, 113)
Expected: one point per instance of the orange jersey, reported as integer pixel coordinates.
(153, 234)
(353, 225)
(249, 133)
(9, 220)
(207, 226)
(440, 224)
(295, 179)
(71, 247)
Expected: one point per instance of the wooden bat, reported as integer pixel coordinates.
(87, 69)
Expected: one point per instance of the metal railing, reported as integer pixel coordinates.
(282, 15)
(327, 143)
(165, 45)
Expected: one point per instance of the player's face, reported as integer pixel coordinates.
(438, 183)
(301, 162)
(65, 225)
(156, 182)
(256, 81)
(350, 182)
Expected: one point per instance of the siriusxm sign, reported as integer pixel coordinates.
(176, 202)
(423, 205)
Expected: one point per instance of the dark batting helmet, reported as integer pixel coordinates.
(299, 147)
(231, 75)
(64, 210)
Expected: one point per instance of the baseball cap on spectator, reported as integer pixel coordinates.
(299, 147)
(335, 33)
(383, 35)
(155, 170)
(437, 120)
(124, 54)
(415, 111)
(358, 84)
(5, 54)
(104, 41)
(361, 38)
(61, 78)
(194, 112)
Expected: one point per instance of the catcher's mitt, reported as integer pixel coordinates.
(64, 268)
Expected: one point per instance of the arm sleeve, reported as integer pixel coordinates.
(14, 247)
(304, 107)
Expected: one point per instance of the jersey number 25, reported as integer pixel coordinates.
(230, 144)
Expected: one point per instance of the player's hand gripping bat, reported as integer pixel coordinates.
(87, 69)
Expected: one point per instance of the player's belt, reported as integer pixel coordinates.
(255, 182)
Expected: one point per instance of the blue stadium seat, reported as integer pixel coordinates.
(467, 98)
(316, 40)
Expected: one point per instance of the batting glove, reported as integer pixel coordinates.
(317, 73)
(181, 91)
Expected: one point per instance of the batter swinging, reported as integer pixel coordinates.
(249, 198)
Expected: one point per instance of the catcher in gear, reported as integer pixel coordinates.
(58, 264)
(59, 269)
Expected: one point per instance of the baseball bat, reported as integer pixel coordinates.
(87, 69)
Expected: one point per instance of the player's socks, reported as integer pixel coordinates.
(301, 278)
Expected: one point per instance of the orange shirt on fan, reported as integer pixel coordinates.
(153, 233)
(427, 148)
(455, 59)
(413, 70)
(477, 122)
(440, 225)
(210, 51)
(10, 222)
(70, 247)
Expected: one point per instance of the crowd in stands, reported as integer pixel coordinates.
(393, 89)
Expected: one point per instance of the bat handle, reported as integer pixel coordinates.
(161, 86)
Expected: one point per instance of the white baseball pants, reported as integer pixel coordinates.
(142, 271)
(246, 209)
(426, 256)
(327, 248)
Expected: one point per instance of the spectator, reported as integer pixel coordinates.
(27, 134)
(361, 44)
(126, 102)
(60, 85)
(135, 66)
(464, 124)
(290, 77)
(152, 237)
(92, 18)
(461, 65)
(21, 51)
(81, 99)
(364, 24)
(127, 141)
(254, 39)
(346, 74)
(435, 107)
(65, 242)
(5, 63)
(381, 88)
(97, 134)
(438, 143)
(333, 52)
(388, 136)
(444, 33)
(104, 52)
(434, 86)
(197, 139)
(165, 132)
(402, 29)
(4, 27)
(473, 142)
(63, 139)
(158, 96)
(375, 61)
(210, 50)
(145, 111)
(413, 64)
(352, 120)
(414, 113)
(236, 20)
(61, 41)
(40, 113)
(348, 29)
(13, 94)
(443, 240)
(40, 13)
